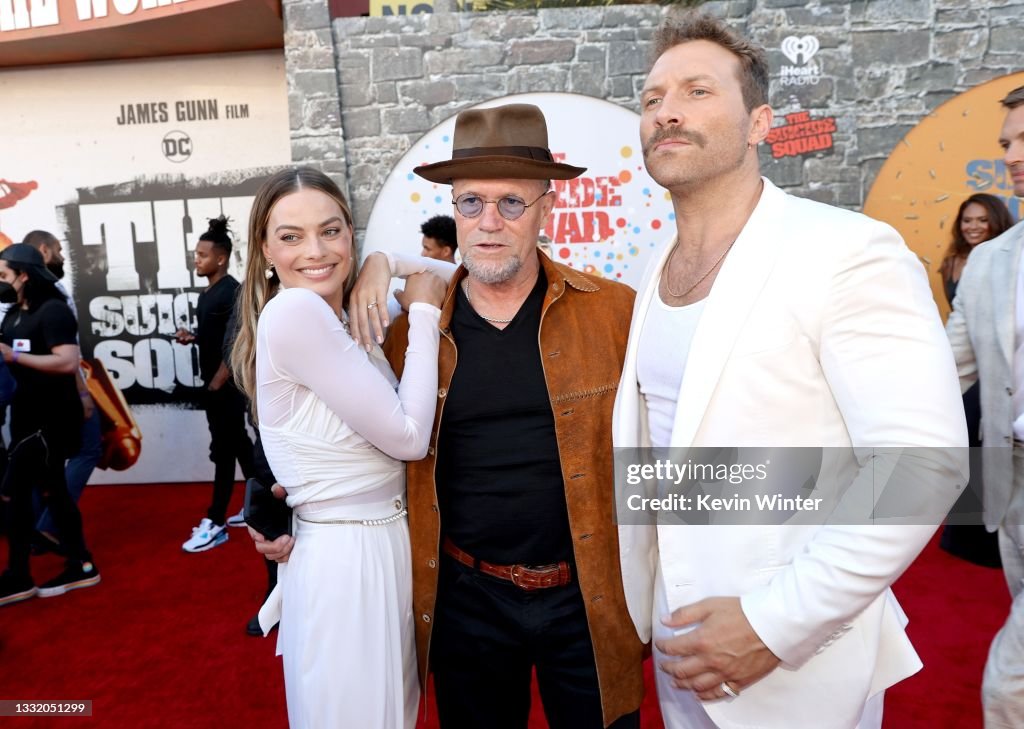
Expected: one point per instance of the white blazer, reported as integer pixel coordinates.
(820, 330)
(982, 330)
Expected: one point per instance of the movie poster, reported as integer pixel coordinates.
(132, 245)
(125, 163)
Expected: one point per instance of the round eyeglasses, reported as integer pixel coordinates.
(510, 207)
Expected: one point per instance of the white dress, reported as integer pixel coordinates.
(333, 428)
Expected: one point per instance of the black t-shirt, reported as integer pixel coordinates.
(43, 400)
(212, 314)
(499, 476)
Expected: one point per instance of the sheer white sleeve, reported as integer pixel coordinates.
(403, 266)
(301, 342)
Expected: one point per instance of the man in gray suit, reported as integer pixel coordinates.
(986, 329)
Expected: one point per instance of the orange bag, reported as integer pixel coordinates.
(121, 440)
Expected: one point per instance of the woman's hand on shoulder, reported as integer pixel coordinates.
(423, 288)
(367, 303)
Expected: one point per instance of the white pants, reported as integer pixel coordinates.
(1002, 690)
(682, 710)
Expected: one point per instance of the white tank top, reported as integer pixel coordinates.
(661, 360)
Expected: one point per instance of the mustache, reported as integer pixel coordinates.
(667, 133)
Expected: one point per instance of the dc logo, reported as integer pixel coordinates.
(177, 146)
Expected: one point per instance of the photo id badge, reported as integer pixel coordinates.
(22, 345)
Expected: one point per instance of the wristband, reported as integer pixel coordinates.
(84, 395)
(14, 355)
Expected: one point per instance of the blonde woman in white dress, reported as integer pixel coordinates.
(335, 432)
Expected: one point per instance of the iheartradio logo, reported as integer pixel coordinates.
(799, 50)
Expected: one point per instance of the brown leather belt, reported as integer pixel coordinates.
(523, 577)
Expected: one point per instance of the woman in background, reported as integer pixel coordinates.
(981, 217)
(335, 432)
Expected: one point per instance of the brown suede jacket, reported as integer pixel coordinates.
(583, 332)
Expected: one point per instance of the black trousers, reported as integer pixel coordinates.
(229, 442)
(38, 462)
(971, 541)
(489, 636)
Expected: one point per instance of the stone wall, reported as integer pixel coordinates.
(884, 64)
(401, 76)
(314, 106)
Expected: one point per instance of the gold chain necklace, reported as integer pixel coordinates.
(485, 318)
(701, 279)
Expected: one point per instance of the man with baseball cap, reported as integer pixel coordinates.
(515, 562)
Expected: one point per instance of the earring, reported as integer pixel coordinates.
(269, 271)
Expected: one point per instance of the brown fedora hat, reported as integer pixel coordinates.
(503, 142)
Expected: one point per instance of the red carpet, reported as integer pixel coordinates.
(161, 643)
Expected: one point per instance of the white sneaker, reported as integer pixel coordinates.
(205, 536)
(238, 520)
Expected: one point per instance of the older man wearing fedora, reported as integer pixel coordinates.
(515, 562)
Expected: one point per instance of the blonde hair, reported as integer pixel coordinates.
(257, 289)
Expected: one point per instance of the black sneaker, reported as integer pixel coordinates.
(15, 589)
(76, 575)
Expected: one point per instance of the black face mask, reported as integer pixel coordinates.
(8, 294)
(56, 268)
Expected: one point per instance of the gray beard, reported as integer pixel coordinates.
(493, 273)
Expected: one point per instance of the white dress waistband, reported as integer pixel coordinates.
(352, 508)
(343, 511)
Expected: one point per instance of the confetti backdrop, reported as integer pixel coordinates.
(606, 222)
(950, 155)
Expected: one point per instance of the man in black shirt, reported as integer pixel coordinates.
(38, 340)
(80, 466)
(511, 514)
(225, 405)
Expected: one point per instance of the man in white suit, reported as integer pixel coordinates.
(772, 321)
(986, 329)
